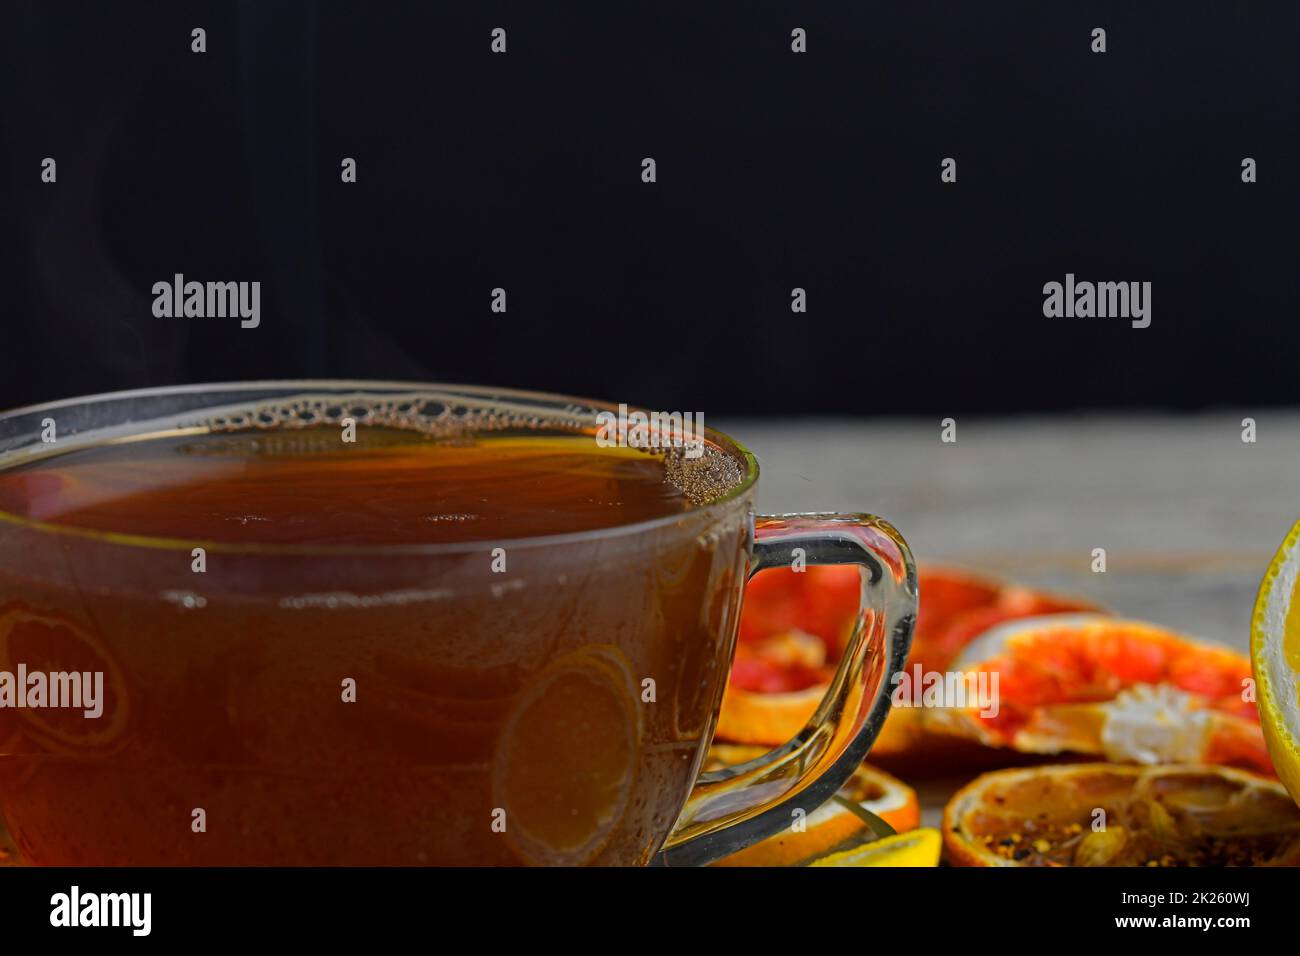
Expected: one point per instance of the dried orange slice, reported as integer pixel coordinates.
(51, 643)
(1275, 657)
(565, 762)
(794, 625)
(833, 823)
(820, 600)
(750, 717)
(1126, 690)
(941, 637)
(956, 607)
(1097, 814)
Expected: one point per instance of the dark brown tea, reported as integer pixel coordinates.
(307, 487)
(493, 648)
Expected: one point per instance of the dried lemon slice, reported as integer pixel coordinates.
(1099, 814)
(51, 643)
(565, 762)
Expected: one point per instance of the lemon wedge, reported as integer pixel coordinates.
(913, 848)
(1275, 659)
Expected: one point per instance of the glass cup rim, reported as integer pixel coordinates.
(721, 440)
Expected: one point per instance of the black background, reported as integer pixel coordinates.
(775, 170)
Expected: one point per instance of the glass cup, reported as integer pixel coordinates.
(555, 715)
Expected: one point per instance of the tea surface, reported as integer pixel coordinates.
(310, 487)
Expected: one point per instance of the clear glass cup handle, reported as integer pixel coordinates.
(731, 808)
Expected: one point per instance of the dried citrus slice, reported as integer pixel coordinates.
(831, 824)
(1125, 690)
(937, 644)
(1275, 658)
(1097, 814)
(8, 851)
(956, 606)
(792, 631)
(750, 717)
(10, 731)
(51, 643)
(565, 762)
(820, 600)
(914, 848)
